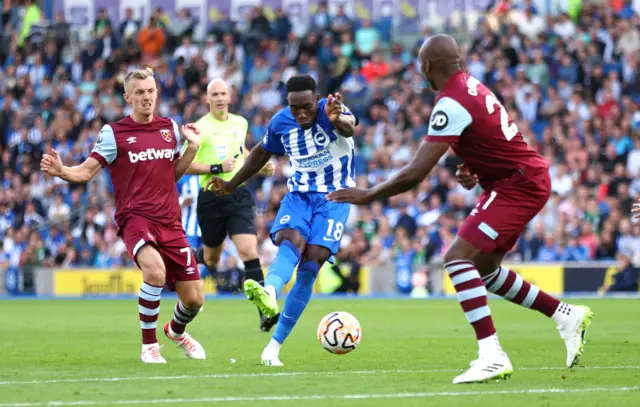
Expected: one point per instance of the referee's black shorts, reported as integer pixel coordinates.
(219, 216)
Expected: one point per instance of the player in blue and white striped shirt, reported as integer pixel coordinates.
(316, 135)
(188, 189)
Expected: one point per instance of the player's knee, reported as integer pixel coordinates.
(248, 252)
(454, 253)
(460, 249)
(154, 278)
(317, 255)
(193, 301)
(211, 257)
(151, 264)
(292, 236)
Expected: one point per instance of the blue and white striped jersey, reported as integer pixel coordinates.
(322, 159)
(189, 187)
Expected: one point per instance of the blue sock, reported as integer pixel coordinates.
(281, 269)
(297, 300)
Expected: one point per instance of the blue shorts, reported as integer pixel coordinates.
(320, 222)
(195, 241)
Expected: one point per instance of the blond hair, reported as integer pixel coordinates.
(143, 73)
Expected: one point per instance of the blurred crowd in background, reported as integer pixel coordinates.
(571, 83)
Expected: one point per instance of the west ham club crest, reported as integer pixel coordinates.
(166, 135)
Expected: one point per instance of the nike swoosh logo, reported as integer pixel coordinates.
(326, 239)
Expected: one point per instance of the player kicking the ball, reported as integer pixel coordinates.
(143, 153)
(316, 135)
(469, 118)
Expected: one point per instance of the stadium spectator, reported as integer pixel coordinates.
(129, 27)
(626, 279)
(151, 40)
(367, 40)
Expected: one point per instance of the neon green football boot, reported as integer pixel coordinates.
(263, 298)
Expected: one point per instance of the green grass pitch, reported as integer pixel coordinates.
(86, 353)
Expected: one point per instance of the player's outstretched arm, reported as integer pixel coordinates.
(255, 162)
(51, 164)
(413, 173)
(408, 177)
(269, 168)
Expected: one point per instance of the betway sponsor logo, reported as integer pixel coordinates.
(151, 154)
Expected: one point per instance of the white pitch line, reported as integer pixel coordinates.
(278, 374)
(321, 397)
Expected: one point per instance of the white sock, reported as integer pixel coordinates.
(274, 345)
(489, 345)
(563, 314)
(271, 290)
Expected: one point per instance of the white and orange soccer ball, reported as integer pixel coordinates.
(339, 332)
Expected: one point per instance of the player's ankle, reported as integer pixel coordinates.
(489, 346)
(149, 345)
(173, 334)
(562, 313)
(274, 345)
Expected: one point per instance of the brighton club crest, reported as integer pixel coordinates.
(166, 135)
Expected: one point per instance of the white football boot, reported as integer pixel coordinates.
(271, 353)
(151, 354)
(486, 368)
(191, 348)
(573, 329)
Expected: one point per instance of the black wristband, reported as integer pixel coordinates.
(216, 169)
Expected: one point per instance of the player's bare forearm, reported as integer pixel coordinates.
(254, 163)
(199, 169)
(346, 125)
(413, 173)
(80, 174)
(184, 162)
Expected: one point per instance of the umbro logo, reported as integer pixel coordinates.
(131, 140)
(190, 270)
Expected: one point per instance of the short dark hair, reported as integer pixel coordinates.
(301, 83)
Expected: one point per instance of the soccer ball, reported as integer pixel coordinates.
(339, 332)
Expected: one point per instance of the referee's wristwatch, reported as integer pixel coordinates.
(216, 168)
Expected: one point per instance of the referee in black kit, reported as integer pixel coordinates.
(222, 153)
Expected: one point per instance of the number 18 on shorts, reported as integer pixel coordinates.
(320, 222)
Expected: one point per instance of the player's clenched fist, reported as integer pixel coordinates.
(191, 134)
(219, 186)
(51, 163)
(465, 178)
(333, 107)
